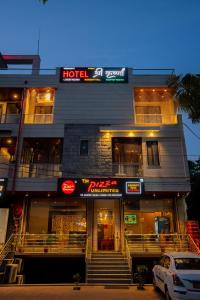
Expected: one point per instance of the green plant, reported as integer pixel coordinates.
(140, 276)
(76, 278)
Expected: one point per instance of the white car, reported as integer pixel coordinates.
(178, 275)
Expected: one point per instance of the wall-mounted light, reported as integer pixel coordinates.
(9, 141)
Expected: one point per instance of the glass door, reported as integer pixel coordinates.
(105, 229)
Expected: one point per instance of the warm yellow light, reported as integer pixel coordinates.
(165, 90)
(153, 90)
(107, 134)
(131, 134)
(141, 90)
(151, 134)
(15, 96)
(9, 141)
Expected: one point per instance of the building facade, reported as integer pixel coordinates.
(94, 154)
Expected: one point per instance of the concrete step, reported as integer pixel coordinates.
(107, 267)
(109, 276)
(115, 272)
(109, 280)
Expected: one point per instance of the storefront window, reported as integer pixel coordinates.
(154, 216)
(57, 216)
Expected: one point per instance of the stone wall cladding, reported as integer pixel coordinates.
(99, 159)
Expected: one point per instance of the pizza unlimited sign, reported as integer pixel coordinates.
(100, 187)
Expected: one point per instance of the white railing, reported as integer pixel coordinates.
(149, 119)
(51, 243)
(34, 170)
(127, 169)
(38, 119)
(157, 243)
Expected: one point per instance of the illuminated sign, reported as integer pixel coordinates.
(95, 75)
(100, 187)
(3, 184)
(130, 219)
(133, 187)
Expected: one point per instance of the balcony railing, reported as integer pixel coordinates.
(38, 119)
(34, 170)
(149, 119)
(9, 118)
(127, 170)
(29, 119)
(158, 243)
(51, 243)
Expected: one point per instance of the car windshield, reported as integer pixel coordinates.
(187, 263)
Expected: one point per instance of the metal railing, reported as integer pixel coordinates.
(9, 118)
(36, 170)
(144, 119)
(88, 255)
(7, 248)
(28, 119)
(127, 169)
(157, 243)
(128, 255)
(38, 119)
(51, 243)
(193, 246)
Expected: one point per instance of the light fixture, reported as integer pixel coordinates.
(48, 195)
(131, 134)
(141, 90)
(153, 90)
(15, 96)
(26, 195)
(9, 141)
(151, 134)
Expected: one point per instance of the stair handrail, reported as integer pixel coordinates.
(6, 248)
(128, 255)
(193, 246)
(88, 252)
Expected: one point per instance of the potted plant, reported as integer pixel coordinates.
(77, 278)
(140, 276)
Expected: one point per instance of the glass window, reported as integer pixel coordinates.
(83, 147)
(152, 153)
(187, 263)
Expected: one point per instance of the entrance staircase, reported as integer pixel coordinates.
(108, 268)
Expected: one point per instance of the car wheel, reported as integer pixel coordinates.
(154, 284)
(167, 296)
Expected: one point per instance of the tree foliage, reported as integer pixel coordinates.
(193, 199)
(187, 93)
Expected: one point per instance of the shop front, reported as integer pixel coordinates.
(105, 206)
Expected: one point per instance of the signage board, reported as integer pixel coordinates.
(3, 184)
(94, 75)
(130, 219)
(100, 187)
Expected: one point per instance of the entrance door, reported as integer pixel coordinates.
(105, 229)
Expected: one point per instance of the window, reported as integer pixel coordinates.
(83, 147)
(152, 153)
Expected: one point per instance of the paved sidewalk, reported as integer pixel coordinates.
(86, 293)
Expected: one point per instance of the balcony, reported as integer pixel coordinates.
(51, 243)
(38, 170)
(9, 118)
(155, 119)
(38, 119)
(127, 170)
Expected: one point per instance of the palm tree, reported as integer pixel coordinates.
(187, 93)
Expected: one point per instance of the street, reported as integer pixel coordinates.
(86, 293)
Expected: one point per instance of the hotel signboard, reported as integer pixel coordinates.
(100, 187)
(94, 75)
